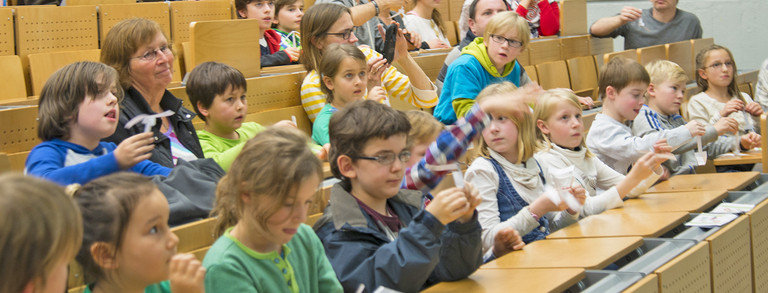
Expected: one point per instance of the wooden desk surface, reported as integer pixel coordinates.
(624, 224)
(517, 280)
(751, 157)
(729, 181)
(588, 253)
(683, 201)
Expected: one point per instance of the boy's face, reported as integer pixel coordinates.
(262, 10)
(227, 111)
(666, 97)
(629, 100)
(499, 49)
(97, 117)
(288, 19)
(376, 180)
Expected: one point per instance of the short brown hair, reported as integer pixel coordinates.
(279, 4)
(210, 79)
(352, 127)
(40, 226)
(331, 61)
(621, 72)
(272, 164)
(123, 40)
(106, 204)
(63, 93)
(314, 24)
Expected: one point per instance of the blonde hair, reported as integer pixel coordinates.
(123, 40)
(424, 127)
(546, 105)
(527, 144)
(701, 63)
(503, 21)
(662, 71)
(40, 226)
(272, 165)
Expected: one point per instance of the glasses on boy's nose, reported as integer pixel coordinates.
(501, 40)
(717, 66)
(389, 157)
(346, 34)
(152, 54)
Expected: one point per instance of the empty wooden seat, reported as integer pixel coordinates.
(553, 75)
(600, 46)
(12, 75)
(450, 33)
(270, 117)
(649, 54)
(111, 14)
(43, 65)
(575, 46)
(531, 71)
(18, 128)
(544, 50)
(7, 43)
(431, 64)
(98, 2)
(583, 74)
(682, 54)
(573, 17)
(232, 42)
(274, 92)
(185, 12)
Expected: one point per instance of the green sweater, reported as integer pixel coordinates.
(224, 151)
(233, 267)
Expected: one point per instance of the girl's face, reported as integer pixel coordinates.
(718, 68)
(501, 136)
(152, 64)
(288, 19)
(148, 243)
(97, 118)
(263, 10)
(343, 26)
(349, 83)
(499, 49)
(564, 126)
(284, 223)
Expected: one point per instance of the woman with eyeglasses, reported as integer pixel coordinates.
(487, 60)
(324, 24)
(139, 51)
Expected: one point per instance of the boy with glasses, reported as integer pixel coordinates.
(487, 60)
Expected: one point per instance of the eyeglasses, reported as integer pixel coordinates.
(389, 157)
(716, 66)
(346, 34)
(501, 40)
(152, 54)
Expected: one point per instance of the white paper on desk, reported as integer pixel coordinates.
(732, 208)
(708, 220)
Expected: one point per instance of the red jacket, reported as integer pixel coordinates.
(549, 17)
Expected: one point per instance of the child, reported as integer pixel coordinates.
(426, 20)
(127, 244)
(40, 233)
(344, 80)
(217, 93)
(542, 15)
(559, 126)
(78, 108)
(510, 180)
(271, 52)
(487, 60)
(377, 234)
(720, 97)
(287, 21)
(621, 87)
(664, 97)
(424, 131)
(260, 207)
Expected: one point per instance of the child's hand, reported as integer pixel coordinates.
(580, 194)
(187, 274)
(323, 154)
(661, 146)
(473, 198)
(733, 105)
(586, 101)
(750, 140)
(696, 128)
(509, 105)
(437, 44)
(506, 241)
(645, 165)
(726, 124)
(286, 123)
(376, 66)
(377, 94)
(293, 53)
(449, 205)
(754, 109)
(134, 149)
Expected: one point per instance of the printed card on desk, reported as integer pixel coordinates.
(732, 208)
(707, 220)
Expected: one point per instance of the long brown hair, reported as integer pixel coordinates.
(701, 63)
(314, 24)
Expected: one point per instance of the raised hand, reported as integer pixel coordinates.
(186, 274)
(134, 149)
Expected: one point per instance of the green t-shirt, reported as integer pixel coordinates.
(302, 267)
(162, 287)
(223, 150)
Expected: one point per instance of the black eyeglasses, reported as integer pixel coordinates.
(152, 54)
(501, 40)
(717, 66)
(346, 34)
(388, 158)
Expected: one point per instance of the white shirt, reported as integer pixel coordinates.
(706, 109)
(427, 28)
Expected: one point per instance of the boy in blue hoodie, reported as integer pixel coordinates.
(487, 60)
